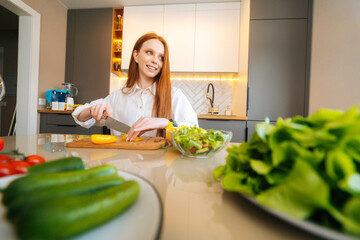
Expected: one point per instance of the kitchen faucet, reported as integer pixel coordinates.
(211, 110)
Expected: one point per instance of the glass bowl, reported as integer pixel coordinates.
(201, 145)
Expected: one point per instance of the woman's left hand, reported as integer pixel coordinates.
(145, 124)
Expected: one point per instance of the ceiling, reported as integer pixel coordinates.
(80, 4)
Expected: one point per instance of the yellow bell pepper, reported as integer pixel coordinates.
(137, 139)
(171, 128)
(102, 139)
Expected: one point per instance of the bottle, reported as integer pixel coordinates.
(69, 103)
(62, 105)
(54, 100)
(228, 111)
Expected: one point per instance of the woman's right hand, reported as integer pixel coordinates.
(95, 111)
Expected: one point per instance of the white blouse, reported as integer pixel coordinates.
(128, 108)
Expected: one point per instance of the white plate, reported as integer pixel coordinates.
(314, 228)
(143, 220)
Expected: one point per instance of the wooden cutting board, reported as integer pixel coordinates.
(148, 143)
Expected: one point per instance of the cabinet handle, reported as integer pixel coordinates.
(63, 125)
(246, 134)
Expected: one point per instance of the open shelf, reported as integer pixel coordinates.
(116, 48)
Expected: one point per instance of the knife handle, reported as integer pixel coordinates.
(104, 116)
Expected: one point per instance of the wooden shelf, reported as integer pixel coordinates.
(55, 111)
(116, 40)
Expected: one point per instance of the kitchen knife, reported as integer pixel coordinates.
(115, 125)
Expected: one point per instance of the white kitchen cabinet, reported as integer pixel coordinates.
(217, 37)
(139, 20)
(201, 37)
(179, 31)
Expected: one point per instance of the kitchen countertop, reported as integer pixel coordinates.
(200, 116)
(195, 205)
(222, 117)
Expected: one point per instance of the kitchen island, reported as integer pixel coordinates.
(194, 204)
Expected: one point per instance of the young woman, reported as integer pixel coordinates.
(147, 102)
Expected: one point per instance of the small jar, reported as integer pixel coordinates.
(118, 21)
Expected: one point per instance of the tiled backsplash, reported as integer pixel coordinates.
(195, 91)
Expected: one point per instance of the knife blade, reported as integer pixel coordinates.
(115, 124)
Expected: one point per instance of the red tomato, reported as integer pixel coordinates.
(5, 158)
(34, 159)
(6, 169)
(193, 149)
(1, 144)
(20, 166)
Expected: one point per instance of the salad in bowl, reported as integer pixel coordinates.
(198, 142)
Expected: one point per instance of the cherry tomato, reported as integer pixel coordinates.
(6, 169)
(5, 158)
(1, 144)
(20, 166)
(34, 159)
(193, 149)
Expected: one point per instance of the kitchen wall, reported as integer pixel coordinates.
(52, 43)
(335, 72)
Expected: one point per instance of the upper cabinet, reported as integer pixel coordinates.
(217, 37)
(179, 31)
(88, 52)
(201, 37)
(139, 20)
(265, 9)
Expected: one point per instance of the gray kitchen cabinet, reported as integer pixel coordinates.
(88, 52)
(279, 53)
(275, 9)
(65, 124)
(277, 68)
(237, 127)
(251, 128)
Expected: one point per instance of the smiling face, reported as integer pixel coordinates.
(150, 59)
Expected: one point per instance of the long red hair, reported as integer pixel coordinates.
(162, 101)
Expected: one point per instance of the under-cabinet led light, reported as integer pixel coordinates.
(202, 79)
(196, 79)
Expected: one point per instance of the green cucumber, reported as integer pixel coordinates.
(59, 165)
(64, 217)
(202, 150)
(216, 145)
(91, 185)
(43, 180)
(195, 144)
